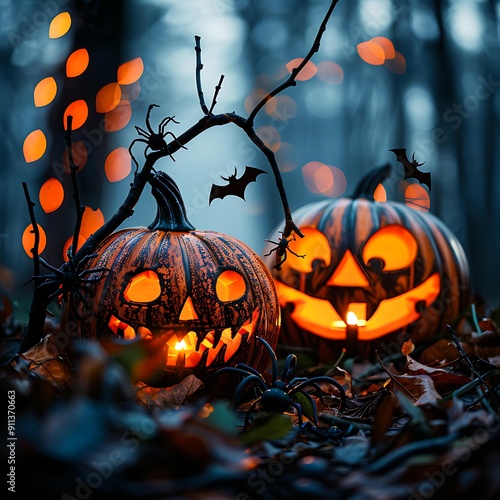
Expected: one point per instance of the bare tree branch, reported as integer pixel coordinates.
(80, 209)
(199, 67)
(290, 82)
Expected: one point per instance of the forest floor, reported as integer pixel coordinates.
(417, 424)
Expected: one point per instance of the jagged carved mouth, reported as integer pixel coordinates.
(320, 317)
(189, 347)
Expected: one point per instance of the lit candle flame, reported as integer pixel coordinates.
(352, 319)
(181, 346)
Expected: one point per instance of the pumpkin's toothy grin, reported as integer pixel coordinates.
(321, 318)
(191, 347)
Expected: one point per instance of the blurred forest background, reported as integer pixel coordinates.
(437, 96)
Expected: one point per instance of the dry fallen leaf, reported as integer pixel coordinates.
(168, 397)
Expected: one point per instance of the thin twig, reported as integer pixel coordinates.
(199, 67)
(216, 93)
(290, 82)
(36, 232)
(392, 377)
(76, 194)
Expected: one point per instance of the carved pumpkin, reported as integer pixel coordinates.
(200, 297)
(371, 271)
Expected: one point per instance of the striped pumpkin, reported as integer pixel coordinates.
(198, 299)
(401, 272)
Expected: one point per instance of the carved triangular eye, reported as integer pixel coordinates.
(230, 286)
(143, 287)
(394, 245)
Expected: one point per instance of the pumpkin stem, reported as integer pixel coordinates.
(369, 182)
(171, 214)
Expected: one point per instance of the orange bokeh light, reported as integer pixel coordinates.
(118, 164)
(417, 197)
(80, 155)
(108, 98)
(397, 65)
(60, 25)
(371, 52)
(28, 240)
(255, 97)
(77, 63)
(92, 220)
(380, 194)
(34, 146)
(45, 92)
(270, 137)
(79, 111)
(386, 45)
(118, 118)
(324, 179)
(308, 71)
(330, 72)
(130, 71)
(51, 195)
(69, 242)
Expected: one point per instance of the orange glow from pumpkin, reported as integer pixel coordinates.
(230, 286)
(181, 346)
(319, 316)
(188, 312)
(348, 273)
(380, 194)
(386, 45)
(417, 197)
(397, 65)
(108, 98)
(371, 53)
(77, 63)
(314, 245)
(118, 118)
(28, 240)
(45, 92)
(60, 25)
(130, 71)
(51, 195)
(395, 245)
(142, 288)
(80, 155)
(352, 319)
(34, 146)
(330, 72)
(308, 71)
(79, 111)
(118, 164)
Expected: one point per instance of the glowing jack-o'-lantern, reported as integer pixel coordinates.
(370, 270)
(201, 297)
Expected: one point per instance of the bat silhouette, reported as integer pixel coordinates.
(235, 186)
(411, 167)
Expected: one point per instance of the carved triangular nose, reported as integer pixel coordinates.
(348, 273)
(188, 312)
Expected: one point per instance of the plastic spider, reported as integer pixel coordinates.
(278, 397)
(281, 248)
(154, 140)
(70, 278)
